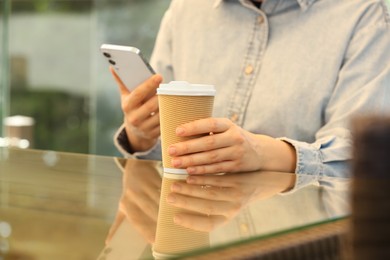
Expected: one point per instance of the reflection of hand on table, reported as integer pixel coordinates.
(226, 147)
(141, 113)
(140, 198)
(221, 197)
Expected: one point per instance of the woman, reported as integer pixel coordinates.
(289, 76)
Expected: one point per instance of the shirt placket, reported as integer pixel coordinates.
(250, 68)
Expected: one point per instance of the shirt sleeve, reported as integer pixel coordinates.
(362, 88)
(161, 63)
(124, 147)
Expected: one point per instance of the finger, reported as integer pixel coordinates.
(123, 89)
(203, 206)
(205, 191)
(147, 130)
(155, 132)
(232, 180)
(145, 224)
(147, 124)
(117, 222)
(205, 158)
(202, 126)
(199, 223)
(144, 177)
(205, 143)
(147, 89)
(147, 111)
(141, 93)
(215, 168)
(141, 113)
(148, 205)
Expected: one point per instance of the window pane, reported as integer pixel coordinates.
(58, 76)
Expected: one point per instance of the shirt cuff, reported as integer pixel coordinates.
(309, 164)
(122, 143)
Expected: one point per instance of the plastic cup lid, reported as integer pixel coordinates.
(183, 88)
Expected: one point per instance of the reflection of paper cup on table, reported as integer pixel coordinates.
(179, 103)
(172, 239)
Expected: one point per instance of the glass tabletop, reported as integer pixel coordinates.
(57, 205)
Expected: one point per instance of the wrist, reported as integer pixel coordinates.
(278, 155)
(137, 142)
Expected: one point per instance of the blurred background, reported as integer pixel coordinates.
(56, 92)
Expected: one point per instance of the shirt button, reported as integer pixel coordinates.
(260, 19)
(234, 118)
(248, 69)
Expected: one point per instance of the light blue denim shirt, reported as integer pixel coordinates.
(297, 70)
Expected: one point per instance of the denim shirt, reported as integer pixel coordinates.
(297, 70)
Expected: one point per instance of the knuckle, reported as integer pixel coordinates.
(212, 193)
(236, 165)
(238, 138)
(201, 170)
(219, 168)
(187, 161)
(132, 120)
(214, 156)
(149, 106)
(137, 94)
(210, 210)
(210, 225)
(210, 142)
(190, 191)
(235, 209)
(184, 148)
(213, 124)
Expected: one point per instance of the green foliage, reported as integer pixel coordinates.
(61, 119)
(51, 5)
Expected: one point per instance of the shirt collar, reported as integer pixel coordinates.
(304, 4)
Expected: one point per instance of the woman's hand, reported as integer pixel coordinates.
(221, 197)
(141, 113)
(141, 187)
(226, 147)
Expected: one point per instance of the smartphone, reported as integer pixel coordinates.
(128, 62)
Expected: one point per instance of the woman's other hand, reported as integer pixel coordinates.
(226, 147)
(219, 198)
(141, 113)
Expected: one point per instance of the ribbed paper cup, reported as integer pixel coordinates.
(179, 103)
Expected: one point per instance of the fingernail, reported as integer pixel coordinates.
(176, 187)
(171, 199)
(179, 130)
(176, 162)
(172, 150)
(177, 220)
(191, 170)
(191, 180)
